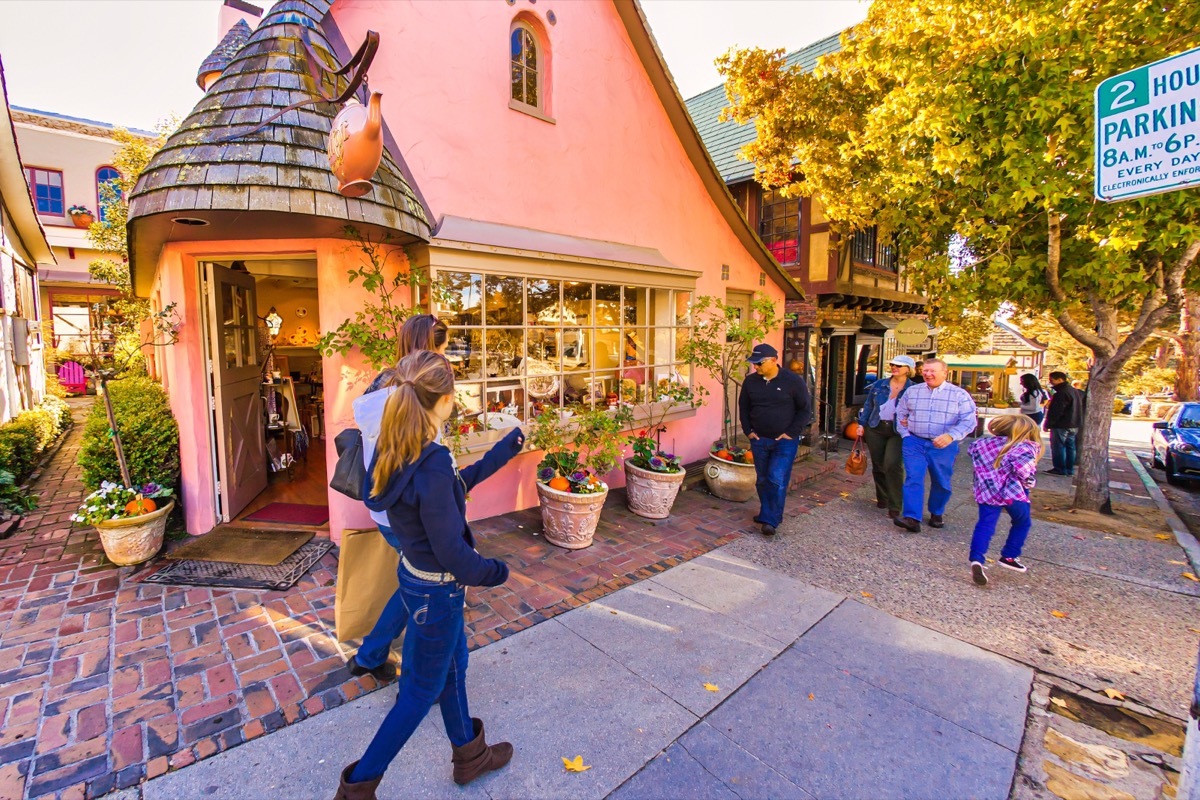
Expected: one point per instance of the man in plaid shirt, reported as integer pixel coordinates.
(932, 419)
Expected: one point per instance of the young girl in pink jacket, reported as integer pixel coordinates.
(1005, 467)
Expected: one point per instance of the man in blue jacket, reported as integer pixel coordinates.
(774, 409)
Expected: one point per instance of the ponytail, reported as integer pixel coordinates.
(421, 379)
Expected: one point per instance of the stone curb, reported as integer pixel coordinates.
(1183, 536)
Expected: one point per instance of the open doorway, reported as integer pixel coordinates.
(266, 391)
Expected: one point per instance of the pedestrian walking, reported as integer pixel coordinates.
(1005, 467)
(933, 417)
(774, 409)
(1034, 398)
(420, 332)
(415, 481)
(1064, 415)
(878, 425)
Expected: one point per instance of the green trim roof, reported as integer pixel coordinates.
(725, 139)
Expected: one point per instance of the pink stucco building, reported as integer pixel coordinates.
(540, 165)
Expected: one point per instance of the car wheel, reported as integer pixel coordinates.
(1155, 461)
(1172, 478)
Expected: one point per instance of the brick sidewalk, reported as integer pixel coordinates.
(105, 681)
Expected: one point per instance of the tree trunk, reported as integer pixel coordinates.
(116, 434)
(1187, 371)
(1091, 443)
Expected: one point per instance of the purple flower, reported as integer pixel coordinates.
(150, 488)
(668, 456)
(657, 463)
(579, 476)
(545, 473)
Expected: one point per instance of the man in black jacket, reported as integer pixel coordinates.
(774, 409)
(1064, 415)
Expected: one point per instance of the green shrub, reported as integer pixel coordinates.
(43, 422)
(28, 434)
(58, 406)
(149, 435)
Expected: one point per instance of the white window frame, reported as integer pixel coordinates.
(541, 73)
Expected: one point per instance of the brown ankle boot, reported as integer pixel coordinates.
(363, 790)
(476, 758)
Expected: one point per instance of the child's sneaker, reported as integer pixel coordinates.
(1014, 564)
(978, 574)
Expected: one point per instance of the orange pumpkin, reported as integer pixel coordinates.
(748, 457)
(140, 505)
(722, 454)
(560, 483)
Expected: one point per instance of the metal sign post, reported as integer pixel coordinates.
(1147, 129)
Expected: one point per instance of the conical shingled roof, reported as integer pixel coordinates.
(224, 52)
(279, 174)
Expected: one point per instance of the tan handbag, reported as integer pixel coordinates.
(366, 580)
(856, 462)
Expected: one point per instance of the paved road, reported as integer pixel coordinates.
(1128, 608)
(819, 696)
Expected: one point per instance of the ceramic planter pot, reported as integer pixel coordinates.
(569, 520)
(730, 481)
(134, 539)
(651, 494)
(82, 220)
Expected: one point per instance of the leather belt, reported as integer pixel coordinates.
(434, 577)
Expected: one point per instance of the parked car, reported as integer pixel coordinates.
(1122, 404)
(1175, 444)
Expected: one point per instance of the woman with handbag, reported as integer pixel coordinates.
(877, 426)
(414, 480)
(420, 332)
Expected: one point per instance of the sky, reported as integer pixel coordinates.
(55, 52)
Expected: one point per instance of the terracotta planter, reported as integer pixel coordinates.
(651, 494)
(730, 481)
(569, 520)
(82, 220)
(134, 539)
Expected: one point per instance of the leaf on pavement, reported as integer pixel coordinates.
(1113, 694)
(1194, 630)
(810, 696)
(1178, 563)
(866, 594)
(1057, 702)
(712, 687)
(1080, 538)
(1057, 613)
(1162, 536)
(1191, 577)
(575, 764)
(844, 494)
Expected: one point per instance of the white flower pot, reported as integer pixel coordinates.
(569, 520)
(134, 539)
(651, 494)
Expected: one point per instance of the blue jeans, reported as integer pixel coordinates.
(773, 459)
(1062, 449)
(920, 456)
(1037, 417)
(985, 528)
(377, 644)
(433, 670)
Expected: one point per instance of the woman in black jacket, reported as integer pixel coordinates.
(416, 482)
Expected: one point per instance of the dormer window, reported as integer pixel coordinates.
(528, 61)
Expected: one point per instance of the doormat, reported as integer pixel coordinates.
(291, 514)
(242, 546)
(223, 575)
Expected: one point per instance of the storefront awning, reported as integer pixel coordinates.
(979, 362)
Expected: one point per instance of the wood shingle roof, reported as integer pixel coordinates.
(224, 52)
(281, 170)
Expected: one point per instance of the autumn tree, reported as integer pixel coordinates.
(964, 130)
(965, 334)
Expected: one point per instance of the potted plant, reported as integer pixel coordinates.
(652, 476)
(130, 521)
(81, 216)
(579, 450)
(722, 337)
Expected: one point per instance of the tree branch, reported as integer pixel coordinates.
(1169, 295)
(1053, 259)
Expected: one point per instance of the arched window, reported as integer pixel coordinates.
(106, 175)
(528, 69)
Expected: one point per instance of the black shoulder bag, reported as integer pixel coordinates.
(350, 471)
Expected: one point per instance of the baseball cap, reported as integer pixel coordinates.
(760, 352)
(904, 361)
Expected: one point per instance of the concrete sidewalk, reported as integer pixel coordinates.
(819, 696)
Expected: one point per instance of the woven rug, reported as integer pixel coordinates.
(225, 575)
(291, 514)
(242, 546)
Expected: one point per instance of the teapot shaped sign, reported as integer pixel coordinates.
(356, 145)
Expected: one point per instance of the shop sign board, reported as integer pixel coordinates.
(911, 332)
(1147, 129)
